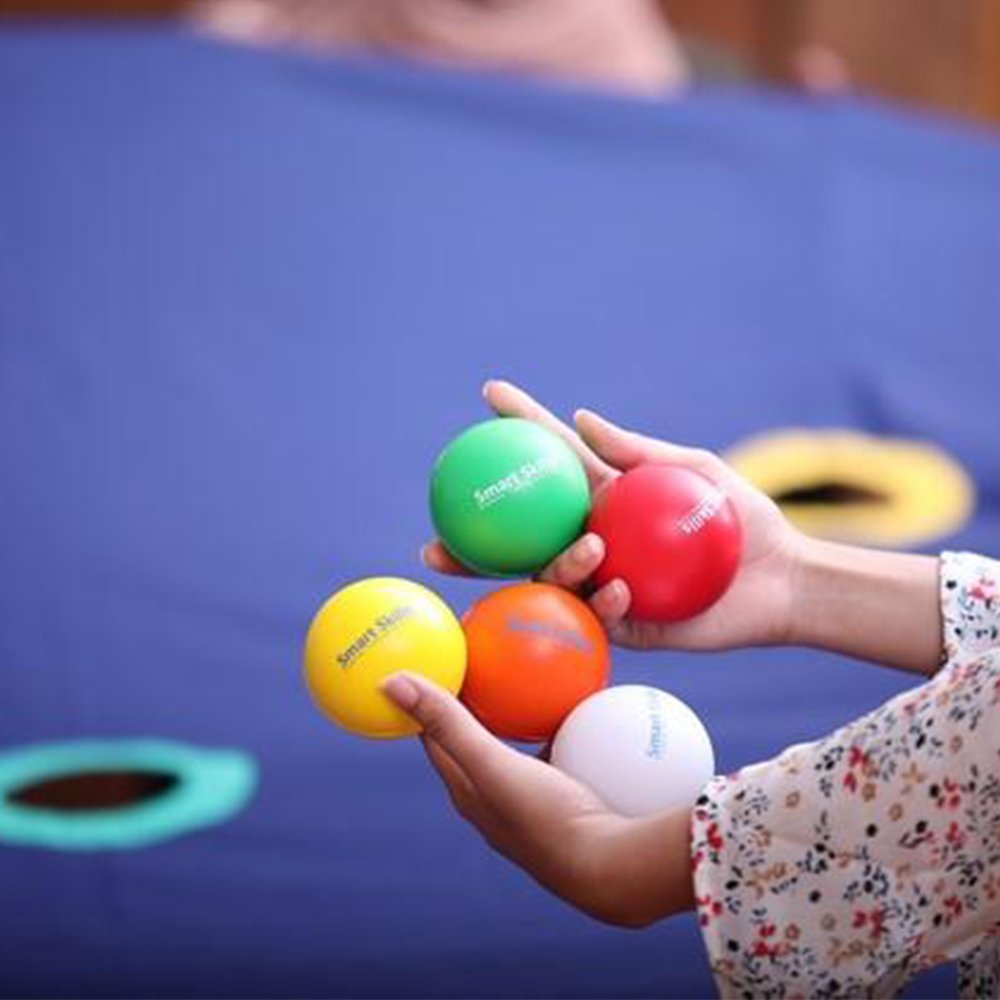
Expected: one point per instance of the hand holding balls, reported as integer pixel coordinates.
(537, 666)
(508, 496)
(531, 660)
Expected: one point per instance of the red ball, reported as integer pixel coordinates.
(672, 535)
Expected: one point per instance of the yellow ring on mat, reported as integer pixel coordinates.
(927, 494)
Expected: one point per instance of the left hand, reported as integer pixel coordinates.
(758, 609)
(623, 871)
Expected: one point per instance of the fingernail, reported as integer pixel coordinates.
(587, 548)
(486, 388)
(401, 691)
(423, 554)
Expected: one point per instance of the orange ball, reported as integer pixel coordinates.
(534, 652)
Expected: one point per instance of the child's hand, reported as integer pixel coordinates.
(757, 608)
(623, 871)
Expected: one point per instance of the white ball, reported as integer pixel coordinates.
(639, 749)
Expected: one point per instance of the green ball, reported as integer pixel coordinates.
(507, 496)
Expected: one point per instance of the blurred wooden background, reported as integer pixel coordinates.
(942, 54)
(939, 54)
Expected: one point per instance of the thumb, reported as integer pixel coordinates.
(626, 449)
(446, 721)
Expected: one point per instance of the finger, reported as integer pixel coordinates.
(611, 604)
(448, 722)
(626, 449)
(435, 556)
(508, 400)
(461, 791)
(572, 568)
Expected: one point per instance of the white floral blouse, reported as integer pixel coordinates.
(846, 866)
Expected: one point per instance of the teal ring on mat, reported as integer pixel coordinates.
(212, 786)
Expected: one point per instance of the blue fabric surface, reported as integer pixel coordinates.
(245, 298)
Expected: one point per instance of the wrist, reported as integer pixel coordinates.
(791, 565)
(639, 869)
(813, 570)
(866, 603)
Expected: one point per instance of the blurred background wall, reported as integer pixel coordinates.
(943, 55)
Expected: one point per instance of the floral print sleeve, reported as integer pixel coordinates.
(844, 867)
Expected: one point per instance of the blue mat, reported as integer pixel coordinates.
(244, 299)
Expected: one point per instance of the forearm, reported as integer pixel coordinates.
(640, 869)
(872, 605)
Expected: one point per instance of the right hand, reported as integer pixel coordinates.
(758, 607)
(623, 870)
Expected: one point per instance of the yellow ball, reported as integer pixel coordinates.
(369, 630)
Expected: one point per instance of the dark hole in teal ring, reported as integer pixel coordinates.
(85, 791)
(830, 493)
(72, 797)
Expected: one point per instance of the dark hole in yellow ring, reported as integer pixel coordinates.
(86, 791)
(830, 493)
